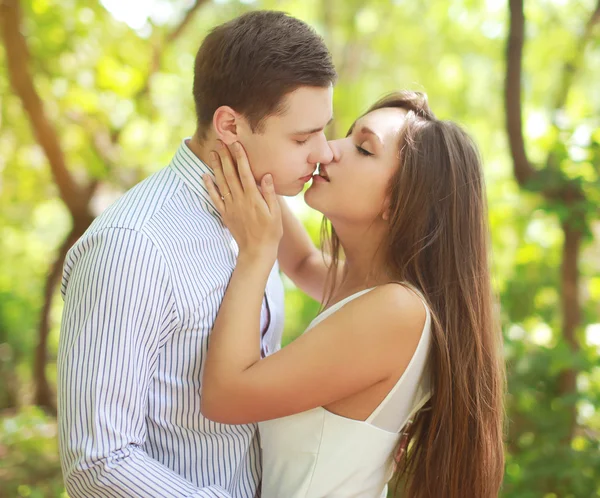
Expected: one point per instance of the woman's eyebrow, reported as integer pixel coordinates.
(366, 129)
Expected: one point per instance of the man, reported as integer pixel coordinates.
(143, 286)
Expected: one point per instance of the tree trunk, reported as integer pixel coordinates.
(75, 196)
(9, 382)
(571, 315)
(568, 193)
(44, 397)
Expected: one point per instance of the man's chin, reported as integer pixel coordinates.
(288, 190)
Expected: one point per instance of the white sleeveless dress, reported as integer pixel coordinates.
(317, 454)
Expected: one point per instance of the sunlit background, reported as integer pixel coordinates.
(99, 93)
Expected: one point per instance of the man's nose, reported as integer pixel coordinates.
(324, 154)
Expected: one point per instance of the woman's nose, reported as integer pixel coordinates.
(326, 154)
(336, 150)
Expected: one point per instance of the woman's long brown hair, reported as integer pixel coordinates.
(438, 241)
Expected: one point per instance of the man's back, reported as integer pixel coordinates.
(142, 288)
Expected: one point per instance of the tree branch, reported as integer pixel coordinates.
(18, 58)
(571, 67)
(522, 168)
(570, 192)
(189, 15)
(159, 48)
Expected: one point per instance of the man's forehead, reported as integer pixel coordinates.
(308, 100)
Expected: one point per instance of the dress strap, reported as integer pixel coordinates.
(330, 311)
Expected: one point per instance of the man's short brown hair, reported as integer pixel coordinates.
(251, 62)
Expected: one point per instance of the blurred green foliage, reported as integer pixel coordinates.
(29, 464)
(118, 121)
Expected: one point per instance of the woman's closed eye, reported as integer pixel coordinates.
(363, 151)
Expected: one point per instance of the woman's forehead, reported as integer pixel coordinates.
(384, 121)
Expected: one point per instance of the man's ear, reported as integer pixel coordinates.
(226, 122)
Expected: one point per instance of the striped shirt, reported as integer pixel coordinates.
(142, 288)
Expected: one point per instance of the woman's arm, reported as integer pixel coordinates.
(298, 257)
(362, 344)
(235, 339)
(254, 220)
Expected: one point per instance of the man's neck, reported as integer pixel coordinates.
(201, 148)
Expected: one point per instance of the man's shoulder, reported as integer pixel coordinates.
(126, 218)
(162, 204)
(139, 204)
(170, 217)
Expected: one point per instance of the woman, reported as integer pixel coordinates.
(407, 332)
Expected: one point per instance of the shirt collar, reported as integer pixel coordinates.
(190, 169)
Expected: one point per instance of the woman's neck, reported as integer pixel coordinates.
(364, 264)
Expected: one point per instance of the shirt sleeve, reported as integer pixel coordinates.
(119, 309)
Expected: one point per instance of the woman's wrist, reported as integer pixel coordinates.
(258, 259)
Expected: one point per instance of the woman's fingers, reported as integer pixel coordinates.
(243, 166)
(220, 180)
(252, 215)
(268, 192)
(215, 195)
(231, 175)
(236, 180)
(249, 182)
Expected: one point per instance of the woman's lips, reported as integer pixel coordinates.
(323, 173)
(306, 178)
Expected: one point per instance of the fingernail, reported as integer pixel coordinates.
(268, 179)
